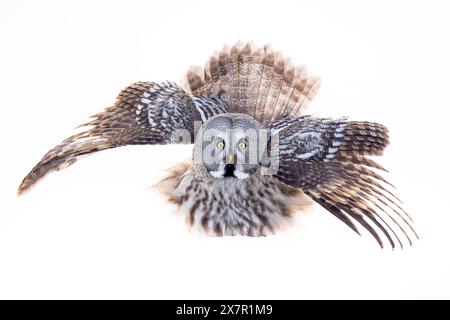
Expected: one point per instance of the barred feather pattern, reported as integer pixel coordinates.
(257, 81)
(327, 160)
(318, 159)
(144, 113)
(257, 206)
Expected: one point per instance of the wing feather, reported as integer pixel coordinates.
(327, 159)
(144, 113)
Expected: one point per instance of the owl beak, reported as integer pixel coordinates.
(230, 158)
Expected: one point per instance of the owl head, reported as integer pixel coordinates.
(230, 146)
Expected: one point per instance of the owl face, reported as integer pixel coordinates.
(228, 146)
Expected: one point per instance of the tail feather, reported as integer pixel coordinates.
(195, 80)
(275, 87)
(286, 90)
(233, 64)
(307, 88)
(244, 85)
(255, 70)
(212, 74)
(256, 81)
(224, 82)
(265, 82)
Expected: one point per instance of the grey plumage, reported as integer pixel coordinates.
(144, 113)
(257, 159)
(256, 206)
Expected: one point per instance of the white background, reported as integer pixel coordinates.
(95, 230)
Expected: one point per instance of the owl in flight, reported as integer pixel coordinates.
(257, 158)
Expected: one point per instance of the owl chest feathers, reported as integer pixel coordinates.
(256, 206)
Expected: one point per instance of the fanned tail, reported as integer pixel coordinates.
(257, 81)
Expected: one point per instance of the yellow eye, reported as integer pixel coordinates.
(220, 144)
(242, 145)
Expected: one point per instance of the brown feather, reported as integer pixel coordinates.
(256, 80)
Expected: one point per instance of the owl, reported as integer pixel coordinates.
(257, 158)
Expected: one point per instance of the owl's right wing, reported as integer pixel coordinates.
(327, 159)
(144, 113)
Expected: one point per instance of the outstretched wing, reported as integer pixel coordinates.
(144, 113)
(327, 159)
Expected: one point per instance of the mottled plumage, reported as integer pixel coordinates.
(257, 159)
(256, 206)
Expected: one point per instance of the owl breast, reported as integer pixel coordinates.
(256, 206)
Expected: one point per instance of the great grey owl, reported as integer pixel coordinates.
(257, 159)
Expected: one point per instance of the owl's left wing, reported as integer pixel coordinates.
(144, 113)
(327, 160)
